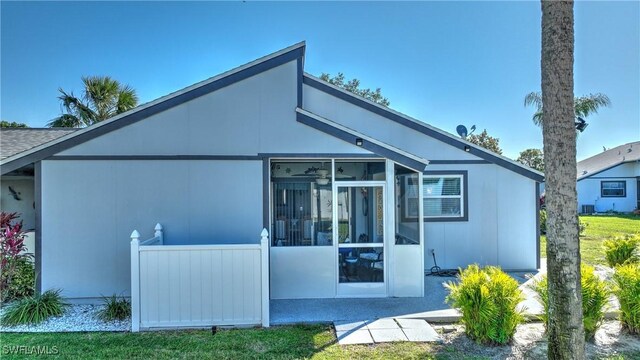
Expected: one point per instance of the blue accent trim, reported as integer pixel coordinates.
(378, 110)
(350, 138)
(155, 109)
(155, 157)
(314, 156)
(300, 76)
(458, 162)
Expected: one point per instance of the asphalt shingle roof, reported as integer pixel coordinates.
(16, 140)
(620, 154)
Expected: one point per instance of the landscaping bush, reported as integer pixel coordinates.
(12, 252)
(543, 221)
(487, 299)
(34, 309)
(626, 286)
(621, 250)
(115, 308)
(23, 281)
(595, 297)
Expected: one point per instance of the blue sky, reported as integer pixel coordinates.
(446, 63)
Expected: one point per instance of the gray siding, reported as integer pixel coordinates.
(91, 208)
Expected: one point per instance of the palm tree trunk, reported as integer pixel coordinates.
(565, 328)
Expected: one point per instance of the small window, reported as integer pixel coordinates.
(443, 196)
(613, 189)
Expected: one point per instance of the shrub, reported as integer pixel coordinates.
(34, 309)
(595, 297)
(543, 221)
(621, 250)
(487, 299)
(12, 250)
(114, 308)
(23, 282)
(626, 286)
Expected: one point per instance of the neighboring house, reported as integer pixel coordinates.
(336, 179)
(17, 190)
(610, 180)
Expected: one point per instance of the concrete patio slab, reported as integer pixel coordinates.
(382, 324)
(354, 337)
(426, 334)
(412, 323)
(350, 325)
(388, 335)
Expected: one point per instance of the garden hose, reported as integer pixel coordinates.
(437, 271)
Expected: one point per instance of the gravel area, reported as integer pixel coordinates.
(75, 318)
(530, 342)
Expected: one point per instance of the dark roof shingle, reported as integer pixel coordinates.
(16, 140)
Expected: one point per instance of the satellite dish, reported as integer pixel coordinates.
(462, 131)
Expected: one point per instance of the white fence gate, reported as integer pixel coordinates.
(198, 285)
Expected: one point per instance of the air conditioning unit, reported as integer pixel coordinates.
(588, 209)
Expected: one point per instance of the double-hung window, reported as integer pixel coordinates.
(613, 189)
(444, 196)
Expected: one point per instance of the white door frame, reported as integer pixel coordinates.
(361, 289)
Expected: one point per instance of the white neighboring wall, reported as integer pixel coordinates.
(24, 188)
(589, 189)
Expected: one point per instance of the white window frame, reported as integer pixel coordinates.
(462, 196)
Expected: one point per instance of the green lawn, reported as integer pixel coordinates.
(599, 228)
(282, 342)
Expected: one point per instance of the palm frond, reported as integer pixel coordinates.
(66, 120)
(127, 99)
(589, 104)
(533, 99)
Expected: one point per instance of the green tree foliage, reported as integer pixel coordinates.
(486, 141)
(102, 98)
(353, 86)
(533, 158)
(12, 124)
(584, 105)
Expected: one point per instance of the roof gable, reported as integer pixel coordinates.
(608, 159)
(422, 127)
(164, 103)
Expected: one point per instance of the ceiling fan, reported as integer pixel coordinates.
(322, 175)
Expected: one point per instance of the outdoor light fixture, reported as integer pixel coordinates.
(581, 124)
(359, 142)
(467, 148)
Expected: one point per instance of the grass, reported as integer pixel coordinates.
(599, 228)
(282, 342)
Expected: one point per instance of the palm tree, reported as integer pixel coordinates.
(583, 105)
(565, 330)
(103, 98)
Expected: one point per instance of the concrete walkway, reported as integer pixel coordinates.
(384, 330)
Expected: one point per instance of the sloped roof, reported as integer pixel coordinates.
(68, 140)
(144, 111)
(13, 141)
(607, 159)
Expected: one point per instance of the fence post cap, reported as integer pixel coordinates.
(135, 234)
(158, 227)
(264, 233)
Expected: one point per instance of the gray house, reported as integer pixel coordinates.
(357, 197)
(610, 181)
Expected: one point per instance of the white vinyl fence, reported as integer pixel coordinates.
(198, 285)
